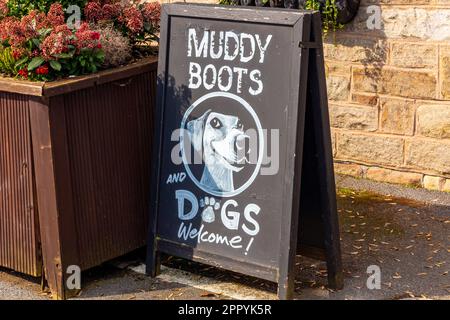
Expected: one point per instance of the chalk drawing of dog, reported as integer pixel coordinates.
(222, 141)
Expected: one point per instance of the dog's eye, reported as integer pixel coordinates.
(239, 125)
(216, 124)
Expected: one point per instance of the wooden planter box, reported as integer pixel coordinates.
(75, 161)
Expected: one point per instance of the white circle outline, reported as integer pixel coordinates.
(261, 143)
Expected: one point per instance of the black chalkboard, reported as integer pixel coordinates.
(243, 169)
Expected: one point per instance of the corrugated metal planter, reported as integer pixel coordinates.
(75, 159)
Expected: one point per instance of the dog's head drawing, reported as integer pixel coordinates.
(223, 143)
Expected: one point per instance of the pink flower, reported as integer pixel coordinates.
(3, 8)
(57, 42)
(6, 26)
(152, 12)
(86, 38)
(55, 15)
(133, 19)
(33, 22)
(93, 11)
(111, 11)
(12, 31)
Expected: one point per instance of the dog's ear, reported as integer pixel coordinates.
(196, 128)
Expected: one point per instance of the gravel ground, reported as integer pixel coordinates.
(404, 231)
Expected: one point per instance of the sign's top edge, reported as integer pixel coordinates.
(254, 14)
(282, 11)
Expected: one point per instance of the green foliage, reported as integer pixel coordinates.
(85, 62)
(20, 8)
(329, 13)
(88, 61)
(7, 61)
(35, 63)
(228, 2)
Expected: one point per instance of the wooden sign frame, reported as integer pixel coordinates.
(309, 221)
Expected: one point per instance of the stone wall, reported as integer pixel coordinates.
(389, 92)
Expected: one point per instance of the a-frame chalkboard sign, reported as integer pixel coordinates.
(243, 170)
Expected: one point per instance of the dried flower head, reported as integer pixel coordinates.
(115, 45)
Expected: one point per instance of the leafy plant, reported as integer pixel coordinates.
(329, 13)
(40, 45)
(87, 61)
(229, 2)
(7, 61)
(20, 8)
(137, 21)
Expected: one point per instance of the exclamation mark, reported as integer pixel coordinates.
(248, 246)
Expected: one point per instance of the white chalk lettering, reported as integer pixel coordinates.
(251, 208)
(181, 196)
(255, 76)
(187, 232)
(230, 219)
(262, 47)
(200, 49)
(229, 46)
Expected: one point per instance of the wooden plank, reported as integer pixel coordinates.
(289, 223)
(235, 13)
(325, 165)
(238, 266)
(49, 89)
(153, 262)
(21, 86)
(77, 83)
(63, 183)
(46, 195)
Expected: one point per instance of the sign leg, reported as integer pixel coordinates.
(153, 263)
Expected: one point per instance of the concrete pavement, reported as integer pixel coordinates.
(403, 231)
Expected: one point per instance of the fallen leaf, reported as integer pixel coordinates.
(397, 276)
(208, 295)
